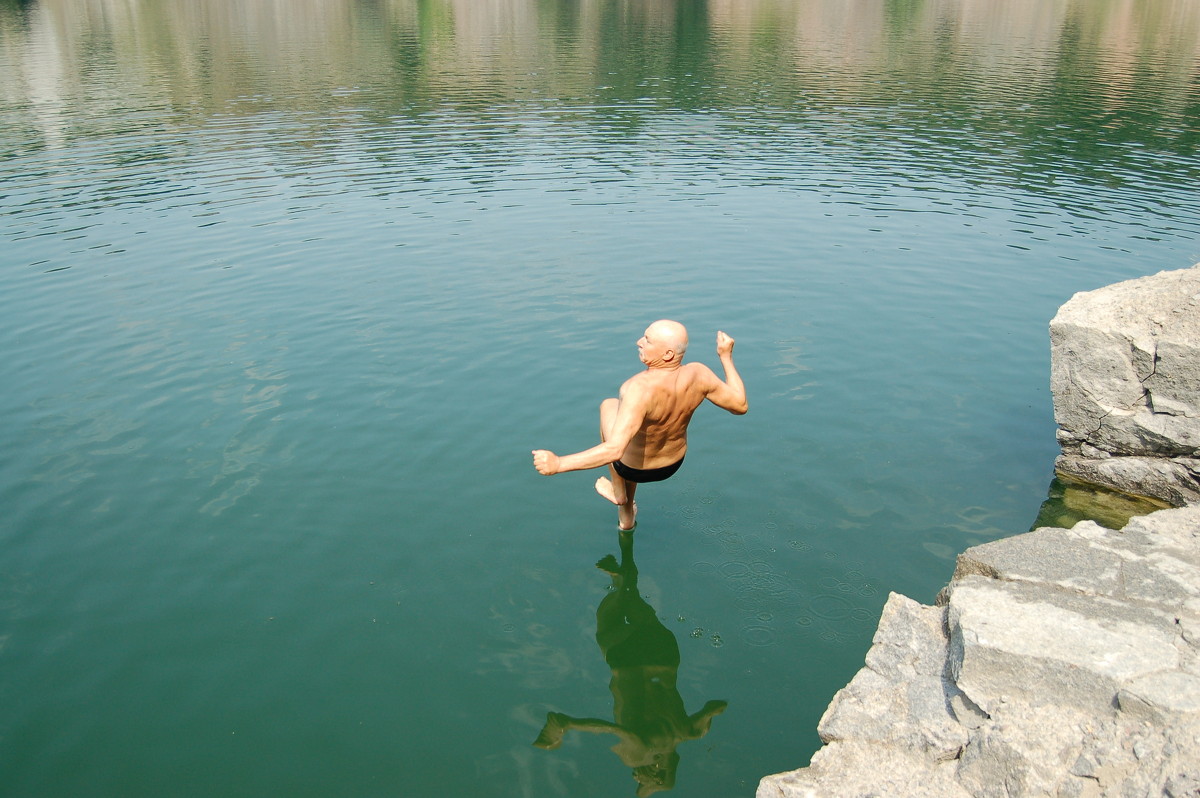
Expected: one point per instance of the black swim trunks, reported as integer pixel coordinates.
(639, 475)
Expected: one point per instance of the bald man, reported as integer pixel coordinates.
(643, 434)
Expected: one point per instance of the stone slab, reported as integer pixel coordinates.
(1125, 378)
(1059, 557)
(1040, 645)
(1160, 568)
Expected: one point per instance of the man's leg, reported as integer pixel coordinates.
(616, 489)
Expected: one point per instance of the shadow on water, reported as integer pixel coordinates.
(1068, 502)
(649, 717)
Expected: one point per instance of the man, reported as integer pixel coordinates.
(643, 433)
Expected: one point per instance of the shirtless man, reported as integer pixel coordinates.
(643, 434)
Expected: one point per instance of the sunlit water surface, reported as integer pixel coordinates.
(291, 290)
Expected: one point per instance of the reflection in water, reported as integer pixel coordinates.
(649, 718)
(1058, 78)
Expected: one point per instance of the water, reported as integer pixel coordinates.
(290, 290)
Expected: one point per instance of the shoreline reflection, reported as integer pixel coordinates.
(649, 717)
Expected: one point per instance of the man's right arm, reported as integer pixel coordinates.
(729, 394)
(630, 415)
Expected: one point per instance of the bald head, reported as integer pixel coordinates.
(663, 344)
(672, 334)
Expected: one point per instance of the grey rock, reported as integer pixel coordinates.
(901, 698)
(967, 712)
(865, 770)
(1016, 641)
(910, 640)
(1065, 558)
(1182, 785)
(1160, 697)
(1168, 480)
(1155, 566)
(1125, 377)
(1063, 663)
(1027, 751)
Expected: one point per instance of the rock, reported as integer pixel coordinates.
(1037, 644)
(1161, 695)
(1155, 565)
(1063, 663)
(1171, 481)
(1026, 752)
(1125, 377)
(901, 698)
(854, 770)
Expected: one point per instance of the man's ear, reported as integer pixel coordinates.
(668, 356)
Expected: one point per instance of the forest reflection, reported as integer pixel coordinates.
(397, 57)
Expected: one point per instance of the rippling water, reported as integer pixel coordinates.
(291, 289)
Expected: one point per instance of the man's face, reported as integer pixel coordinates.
(652, 346)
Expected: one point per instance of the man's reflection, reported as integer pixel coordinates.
(649, 716)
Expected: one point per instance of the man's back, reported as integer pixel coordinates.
(668, 399)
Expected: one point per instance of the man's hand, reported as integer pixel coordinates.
(731, 394)
(724, 344)
(545, 462)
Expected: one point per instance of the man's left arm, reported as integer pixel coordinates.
(730, 393)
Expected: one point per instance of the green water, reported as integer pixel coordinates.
(291, 289)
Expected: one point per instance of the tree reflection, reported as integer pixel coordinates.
(649, 718)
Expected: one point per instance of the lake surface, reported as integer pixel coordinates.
(291, 289)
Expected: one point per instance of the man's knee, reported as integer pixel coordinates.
(608, 415)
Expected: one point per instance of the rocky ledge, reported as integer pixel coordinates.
(1058, 663)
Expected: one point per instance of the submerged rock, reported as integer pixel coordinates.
(1069, 501)
(1125, 377)
(1058, 663)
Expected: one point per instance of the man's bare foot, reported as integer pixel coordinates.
(605, 488)
(626, 510)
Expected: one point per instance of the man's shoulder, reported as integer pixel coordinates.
(700, 372)
(636, 384)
